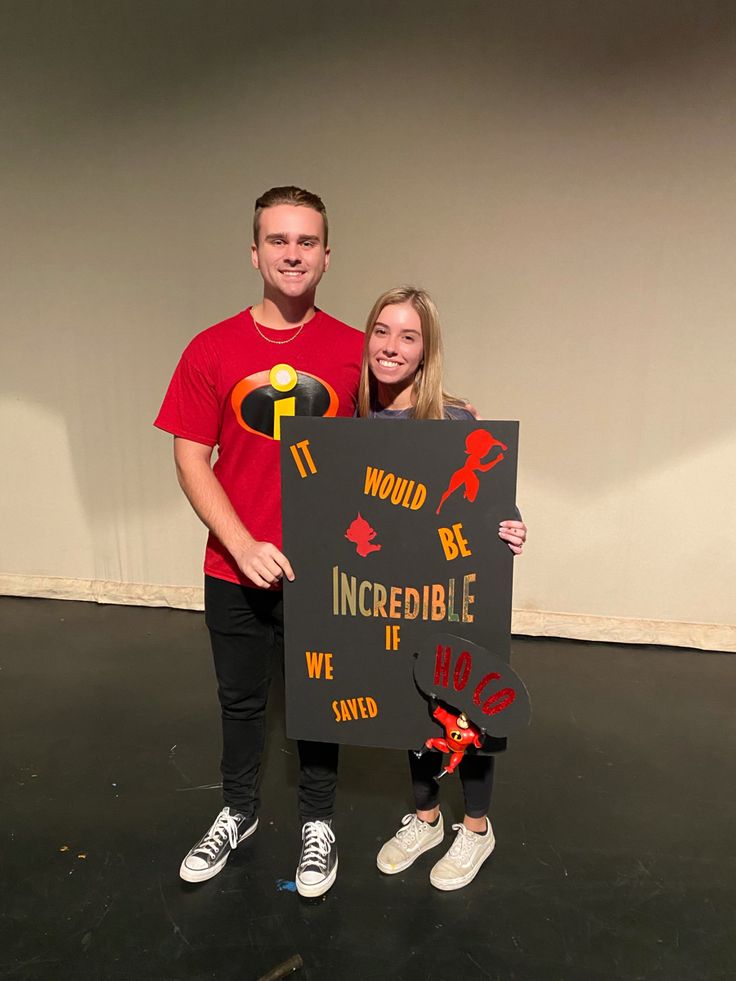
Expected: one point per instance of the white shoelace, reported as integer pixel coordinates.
(463, 845)
(318, 837)
(412, 829)
(225, 826)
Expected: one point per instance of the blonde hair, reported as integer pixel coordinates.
(428, 396)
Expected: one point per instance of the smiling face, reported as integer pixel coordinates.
(396, 349)
(290, 253)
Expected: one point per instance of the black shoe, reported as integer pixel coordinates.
(211, 852)
(318, 861)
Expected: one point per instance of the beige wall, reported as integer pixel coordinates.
(560, 175)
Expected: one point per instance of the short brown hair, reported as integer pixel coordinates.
(288, 195)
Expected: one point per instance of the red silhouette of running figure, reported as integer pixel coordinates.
(477, 444)
(361, 535)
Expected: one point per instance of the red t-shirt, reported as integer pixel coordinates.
(227, 391)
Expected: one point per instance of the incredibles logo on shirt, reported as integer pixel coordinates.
(261, 401)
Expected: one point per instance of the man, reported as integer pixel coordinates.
(233, 385)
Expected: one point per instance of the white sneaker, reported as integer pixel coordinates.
(413, 838)
(212, 851)
(462, 862)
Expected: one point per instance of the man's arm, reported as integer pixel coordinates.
(261, 562)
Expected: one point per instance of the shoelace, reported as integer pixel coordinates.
(463, 844)
(411, 830)
(225, 826)
(318, 837)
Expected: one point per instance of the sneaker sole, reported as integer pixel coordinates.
(311, 891)
(447, 885)
(201, 875)
(394, 869)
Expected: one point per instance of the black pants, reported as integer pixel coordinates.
(247, 635)
(476, 776)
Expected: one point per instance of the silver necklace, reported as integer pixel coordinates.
(271, 340)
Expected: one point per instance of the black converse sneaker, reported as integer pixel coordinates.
(211, 852)
(318, 861)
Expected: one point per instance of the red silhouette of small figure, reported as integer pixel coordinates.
(460, 733)
(361, 535)
(477, 444)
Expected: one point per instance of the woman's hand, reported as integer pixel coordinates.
(514, 534)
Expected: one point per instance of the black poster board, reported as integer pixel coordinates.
(379, 571)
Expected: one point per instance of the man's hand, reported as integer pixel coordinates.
(263, 564)
(514, 534)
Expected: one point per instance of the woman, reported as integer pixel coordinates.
(402, 378)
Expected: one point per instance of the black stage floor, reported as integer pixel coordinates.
(614, 815)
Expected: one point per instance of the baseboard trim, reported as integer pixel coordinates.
(533, 623)
(625, 630)
(104, 591)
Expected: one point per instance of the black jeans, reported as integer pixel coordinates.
(476, 776)
(247, 634)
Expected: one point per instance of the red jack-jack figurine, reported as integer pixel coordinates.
(460, 733)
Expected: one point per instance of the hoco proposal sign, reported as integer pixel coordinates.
(403, 587)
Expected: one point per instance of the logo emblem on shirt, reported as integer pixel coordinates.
(261, 401)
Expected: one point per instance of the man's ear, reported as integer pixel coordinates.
(327, 258)
(254, 255)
